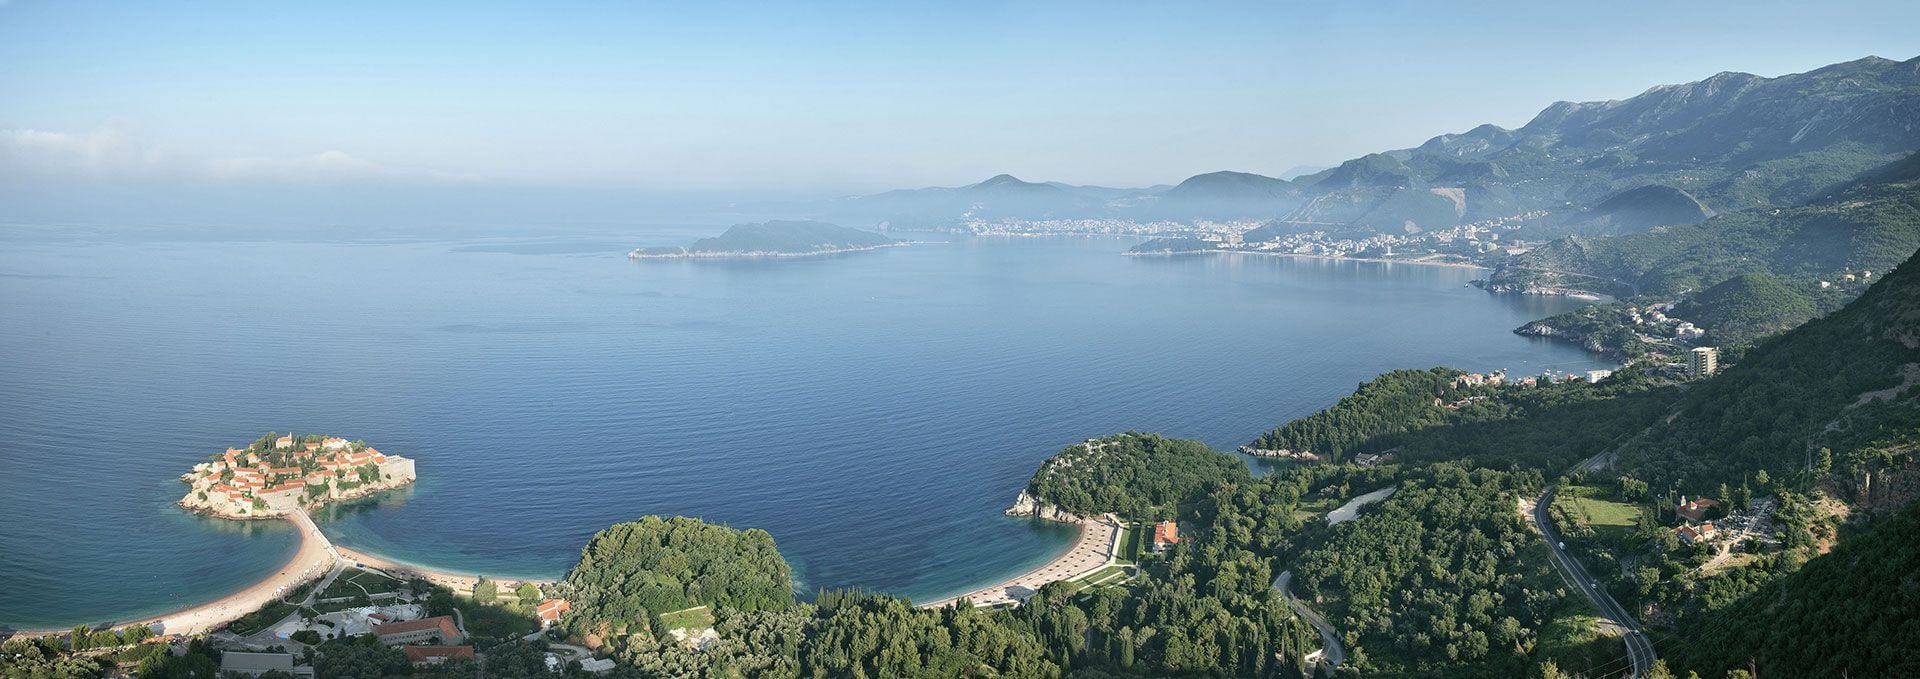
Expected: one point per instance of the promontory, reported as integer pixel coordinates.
(774, 239)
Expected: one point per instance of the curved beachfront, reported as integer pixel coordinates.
(1097, 547)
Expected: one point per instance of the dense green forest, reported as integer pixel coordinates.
(1133, 475)
(1398, 401)
(1442, 576)
(631, 573)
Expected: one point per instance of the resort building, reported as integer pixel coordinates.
(256, 664)
(1166, 534)
(1703, 361)
(550, 610)
(435, 630)
(434, 655)
(597, 665)
(1694, 511)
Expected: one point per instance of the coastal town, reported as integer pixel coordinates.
(278, 475)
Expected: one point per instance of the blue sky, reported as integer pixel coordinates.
(835, 97)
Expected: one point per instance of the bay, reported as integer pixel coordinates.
(875, 412)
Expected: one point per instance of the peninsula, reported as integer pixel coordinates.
(774, 239)
(277, 476)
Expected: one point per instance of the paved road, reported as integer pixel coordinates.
(1329, 641)
(1639, 649)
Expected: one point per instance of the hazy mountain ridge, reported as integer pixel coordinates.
(1730, 141)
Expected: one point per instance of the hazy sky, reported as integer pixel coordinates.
(820, 97)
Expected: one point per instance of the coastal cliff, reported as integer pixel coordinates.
(1028, 505)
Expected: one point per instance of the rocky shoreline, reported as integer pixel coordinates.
(1280, 454)
(1030, 506)
(1536, 289)
(361, 492)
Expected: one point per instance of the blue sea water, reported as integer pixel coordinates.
(875, 412)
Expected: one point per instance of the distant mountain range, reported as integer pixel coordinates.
(1675, 154)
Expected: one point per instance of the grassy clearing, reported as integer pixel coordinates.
(376, 583)
(1590, 506)
(698, 617)
(356, 582)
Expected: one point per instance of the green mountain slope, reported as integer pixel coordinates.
(1868, 225)
(1800, 392)
(1852, 612)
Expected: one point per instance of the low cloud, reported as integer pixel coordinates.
(118, 150)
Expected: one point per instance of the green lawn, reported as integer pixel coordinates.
(1131, 539)
(355, 582)
(1102, 575)
(694, 618)
(258, 620)
(1588, 505)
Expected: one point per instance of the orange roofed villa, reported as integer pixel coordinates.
(277, 475)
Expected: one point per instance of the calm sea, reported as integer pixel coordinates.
(875, 412)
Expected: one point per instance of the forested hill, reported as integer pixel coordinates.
(1868, 225)
(1843, 383)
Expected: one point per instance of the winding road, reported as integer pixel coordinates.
(1329, 641)
(1639, 649)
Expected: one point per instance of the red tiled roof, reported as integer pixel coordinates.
(420, 654)
(551, 609)
(1166, 531)
(444, 623)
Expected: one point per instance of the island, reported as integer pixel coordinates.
(277, 476)
(774, 239)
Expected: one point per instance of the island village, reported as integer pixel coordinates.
(327, 591)
(278, 475)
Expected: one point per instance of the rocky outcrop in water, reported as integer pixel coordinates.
(1028, 505)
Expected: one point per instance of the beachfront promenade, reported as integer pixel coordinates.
(1097, 547)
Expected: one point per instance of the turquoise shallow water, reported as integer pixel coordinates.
(875, 412)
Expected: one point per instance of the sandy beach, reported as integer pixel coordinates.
(458, 582)
(1095, 549)
(312, 561)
